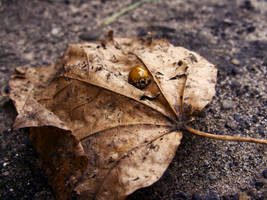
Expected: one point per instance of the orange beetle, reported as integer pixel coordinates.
(139, 77)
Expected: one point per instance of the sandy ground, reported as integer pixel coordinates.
(230, 34)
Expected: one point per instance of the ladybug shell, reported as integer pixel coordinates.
(139, 77)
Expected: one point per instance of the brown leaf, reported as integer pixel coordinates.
(97, 134)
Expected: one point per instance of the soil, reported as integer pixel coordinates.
(230, 34)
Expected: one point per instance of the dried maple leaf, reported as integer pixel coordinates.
(96, 133)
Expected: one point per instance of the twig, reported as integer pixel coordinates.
(225, 137)
(125, 10)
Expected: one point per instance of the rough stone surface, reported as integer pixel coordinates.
(217, 30)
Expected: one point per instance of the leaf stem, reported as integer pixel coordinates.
(225, 137)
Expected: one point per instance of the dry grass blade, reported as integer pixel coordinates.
(125, 10)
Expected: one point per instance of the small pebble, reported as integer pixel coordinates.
(206, 163)
(264, 173)
(135, 17)
(212, 177)
(179, 195)
(29, 56)
(226, 104)
(248, 5)
(141, 32)
(237, 118)
(228, 21)
(91, 35)
(235, 61)
(231, 197)
(259, 184)
(212, 196)
(6, 173)
(196, 197)
(74, 9)
(55, 31)
(231, 124)
(251, 29)
(235, 85)
(262, 130)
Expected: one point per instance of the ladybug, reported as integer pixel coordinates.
(139, 77)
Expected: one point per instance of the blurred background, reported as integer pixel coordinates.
(231, 34)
